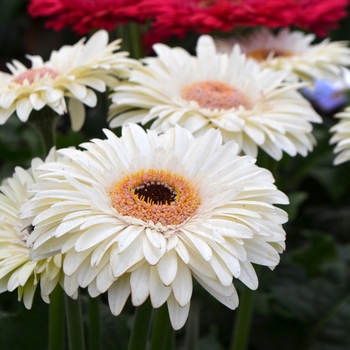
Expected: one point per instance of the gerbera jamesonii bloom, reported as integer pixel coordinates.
(16, 268)
(341, 137)
(320, 16)
(71, 72)
(86, 15)
(251, 105)
(144, 214)
(179, 17)
(293, 51)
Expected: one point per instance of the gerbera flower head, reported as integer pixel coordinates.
(178, 17)
(294, 51)
(144, 214)
(320, 16)
(86, 15)
(341, 137)
(251, 105)
(17, 271)
(71, 73)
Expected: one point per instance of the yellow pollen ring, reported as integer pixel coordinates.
(213, 94)
(263, 54)
(180, 199)
(30, 75)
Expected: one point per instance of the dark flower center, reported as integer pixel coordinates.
(156, 193)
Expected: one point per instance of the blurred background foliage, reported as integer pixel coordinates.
(303, 304)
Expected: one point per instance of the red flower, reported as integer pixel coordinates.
(85, 15)
(320, 16)
(178, 17)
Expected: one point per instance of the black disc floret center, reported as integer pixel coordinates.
(155, 192)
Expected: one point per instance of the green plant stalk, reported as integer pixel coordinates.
(94, 324)
(45, 122)
(323, 320)
(56, 319)
(135, 40)
(243, 320)
(142, 326)
(122, 34)
(267, 162)
(74, 324)
(163, 333)
(192, 327)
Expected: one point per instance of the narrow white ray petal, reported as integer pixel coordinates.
(140, 284)
(159, 293)
(182, 284)
(178, 315)
(76, 113)
(152, 254)
(118, 294)
(122, 262)
(127, 236)
(167, 267)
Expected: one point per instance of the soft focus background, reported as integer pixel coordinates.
(303, 304)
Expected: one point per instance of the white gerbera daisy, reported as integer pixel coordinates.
(248, 104)
(16, 268)
(342, 137)
(293, 51)
(143, 214)
(71, 72)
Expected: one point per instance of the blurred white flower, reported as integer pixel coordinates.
(253, 106)
(293, 51)
(17, 271)
(341, 137)
(72, 72)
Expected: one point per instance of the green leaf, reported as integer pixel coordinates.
(25, 329)
(323, 306)
(317, 253)
(296, 199)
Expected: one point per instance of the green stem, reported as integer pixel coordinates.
(45, 122)
(243, 320)
(135, 40)
(192, 327)
(142, 325)
(56, 319)
(163, 333)
(74, 324)
(94, 325)
(323, 320)
(122, 34)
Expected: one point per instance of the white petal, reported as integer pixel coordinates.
(152, 254)
(167, 267)
(118, 294)
(140, 284)
(248, 275)
(93, 47)
(182, 284)
(23, 109)
(122, 262)
(37, 101)
(127, 236)
(94, 235)
(178, 315)
(77, 113)
(159, 293)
